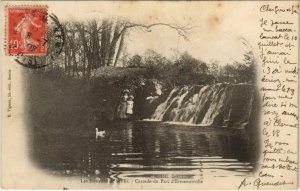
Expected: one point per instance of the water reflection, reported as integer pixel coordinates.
(146, 150)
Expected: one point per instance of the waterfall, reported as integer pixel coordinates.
(211, 105)
(162, 108)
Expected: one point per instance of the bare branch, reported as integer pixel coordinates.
(181, 30)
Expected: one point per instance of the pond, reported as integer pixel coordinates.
(145, 150)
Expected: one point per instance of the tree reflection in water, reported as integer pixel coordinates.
(146, 149)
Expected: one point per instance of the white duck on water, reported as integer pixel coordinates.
(99, 133)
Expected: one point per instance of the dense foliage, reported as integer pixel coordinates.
(91, 46)
(187, 70)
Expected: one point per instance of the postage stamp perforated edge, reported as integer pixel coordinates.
(6, 24)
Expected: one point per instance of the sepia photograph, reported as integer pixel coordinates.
(143, 96)
(105, 110)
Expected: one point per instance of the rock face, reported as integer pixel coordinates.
(211, 105)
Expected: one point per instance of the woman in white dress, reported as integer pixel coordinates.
(129, 106)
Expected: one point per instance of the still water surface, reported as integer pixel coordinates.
(146, 150)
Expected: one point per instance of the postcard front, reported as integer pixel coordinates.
(149, 95)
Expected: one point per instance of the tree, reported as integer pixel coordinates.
(135, 61)
(249, 71)
(121, 45)
(93, 44)
(158, 66)
(241, 72)
(203, 67)
(213, 69)
(188, 64)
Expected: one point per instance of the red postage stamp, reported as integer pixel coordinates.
(26, 30)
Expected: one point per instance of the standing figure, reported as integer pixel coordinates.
(123, 105)
(129, 106)
(24, 28)
(139, 101)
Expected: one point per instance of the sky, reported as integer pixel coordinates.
(217, 33)
(205, 47)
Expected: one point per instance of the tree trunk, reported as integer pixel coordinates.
(113, 44)
(66, 70)
(83, 65)
(95, 45)
(105, 42)
(65, 50)
(121, 45)
(86, 50)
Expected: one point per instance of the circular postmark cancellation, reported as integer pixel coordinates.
(34, 37)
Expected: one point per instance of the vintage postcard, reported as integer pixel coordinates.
(149, 95)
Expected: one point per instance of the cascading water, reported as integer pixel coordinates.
(162, 108)
(211, 105)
